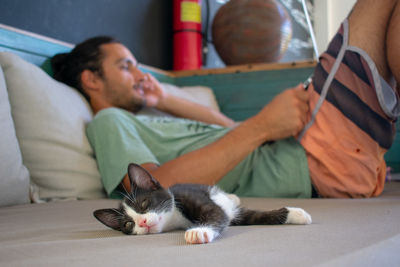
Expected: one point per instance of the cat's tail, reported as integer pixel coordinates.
(282, 216)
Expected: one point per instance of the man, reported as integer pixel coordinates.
(341, 152)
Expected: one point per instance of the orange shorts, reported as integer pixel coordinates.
(354, 126)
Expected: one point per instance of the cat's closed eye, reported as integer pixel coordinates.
(145, 203)
(128, 225)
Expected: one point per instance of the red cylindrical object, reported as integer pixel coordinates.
(187, 37)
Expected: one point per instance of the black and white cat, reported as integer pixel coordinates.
(203, 211)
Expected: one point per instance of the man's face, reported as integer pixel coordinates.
(122, 80)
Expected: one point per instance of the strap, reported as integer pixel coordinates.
(328, 81)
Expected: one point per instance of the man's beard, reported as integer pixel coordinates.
(132, 104)
(138, 104)
(136, 107)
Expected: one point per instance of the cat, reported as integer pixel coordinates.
(203, 211)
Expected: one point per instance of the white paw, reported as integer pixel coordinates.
(200, 235)
(298, 216)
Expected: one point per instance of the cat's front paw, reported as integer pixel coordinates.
(298, 216)
(200, 235)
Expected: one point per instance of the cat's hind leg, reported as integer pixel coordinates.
(200, 235)
(286, 215)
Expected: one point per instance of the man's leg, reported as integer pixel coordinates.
(354, 126)
(393, 44)
(374, 26)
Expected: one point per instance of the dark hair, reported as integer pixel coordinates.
(68, 67)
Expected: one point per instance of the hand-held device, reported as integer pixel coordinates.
(307, 83)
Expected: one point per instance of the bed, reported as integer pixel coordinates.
(50, 185)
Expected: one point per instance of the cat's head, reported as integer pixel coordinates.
(143, 210)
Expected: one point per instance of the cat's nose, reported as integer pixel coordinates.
(143, 222)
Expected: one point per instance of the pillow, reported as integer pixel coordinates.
(198, 94)
(14, 177)
(50, 120)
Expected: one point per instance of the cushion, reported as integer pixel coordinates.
(14, 176)
(50, 120)
(198, 94)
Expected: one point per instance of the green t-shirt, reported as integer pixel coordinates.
(118, 137)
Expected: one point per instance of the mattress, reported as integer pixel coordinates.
(344, 232)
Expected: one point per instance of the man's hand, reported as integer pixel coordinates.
(153, 92)
(286, 114)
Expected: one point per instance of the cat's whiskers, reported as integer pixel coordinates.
(134, 192)
(127, 196)
(123, 186)
(118, 211)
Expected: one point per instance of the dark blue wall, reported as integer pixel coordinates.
(144, 26)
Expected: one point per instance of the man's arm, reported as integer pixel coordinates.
(283, 117)
(158, 98)
(183, 108)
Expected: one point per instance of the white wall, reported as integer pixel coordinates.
(328, 14)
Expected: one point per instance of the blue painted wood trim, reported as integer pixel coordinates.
(30, 45)
(39, 49)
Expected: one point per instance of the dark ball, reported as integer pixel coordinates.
(251, 31)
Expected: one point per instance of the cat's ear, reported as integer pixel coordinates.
(140, 177)
(109, 217)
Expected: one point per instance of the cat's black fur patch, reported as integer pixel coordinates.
(194, 202)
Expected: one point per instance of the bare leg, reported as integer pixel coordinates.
(374, 27)
(393, 44)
